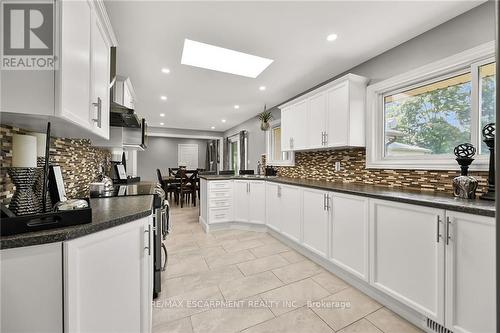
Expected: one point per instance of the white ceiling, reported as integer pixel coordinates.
(151, 35)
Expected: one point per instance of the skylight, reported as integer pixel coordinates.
(223, 60)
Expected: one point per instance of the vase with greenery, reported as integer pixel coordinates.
(264, 117)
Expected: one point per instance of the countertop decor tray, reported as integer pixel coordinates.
(44, 221)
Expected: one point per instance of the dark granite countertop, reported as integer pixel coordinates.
(106, 213)
(423, 198)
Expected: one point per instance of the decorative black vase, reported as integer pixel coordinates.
(24, 201)
(464, 186)
(489, 140)
(38, 188)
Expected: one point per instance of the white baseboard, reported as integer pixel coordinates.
(402, 310)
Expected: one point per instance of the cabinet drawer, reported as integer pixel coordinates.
(219, 194)
(219, 185)
(220, 214)
(224, 202)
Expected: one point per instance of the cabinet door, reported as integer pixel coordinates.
(338, 115)
(315, 221)
(316, 120)
(349, 233)
(108, 280)
(290, 212)
(75, 78)
(286, 129)
(470, 273)
(100, 80)
(298, 125)
(257, 202)
(241, 198)
(273, 206)
(407, 257)
(31, 289)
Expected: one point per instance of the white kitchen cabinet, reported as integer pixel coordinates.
(317, 121)
(241, 197)
(100, 79)
(290, 207)
(69, 94)
(75, 61)
(407, 255)
(349, 233)
(273, 206)
(108, 280)
(470, 273)
(31, 289)
(332, 116)
(216, 199)
(249, 201)
(315, 222)
(295, 120)
(257, 202)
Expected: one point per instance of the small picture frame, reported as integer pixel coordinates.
(56, 184)
(122, 174)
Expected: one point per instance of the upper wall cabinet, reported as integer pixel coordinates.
(77, 90)
(332, 116)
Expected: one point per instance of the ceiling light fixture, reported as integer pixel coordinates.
(236, 106)
(213, 127)
(331, 37)
(162, 115)
(223, 120)
(164, 98)
(223, 60)
(162, 124)
(262, 88)
(165, 70)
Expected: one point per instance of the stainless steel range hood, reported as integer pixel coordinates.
(120, 114)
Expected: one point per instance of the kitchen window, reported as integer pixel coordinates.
(274, 155)
(415, 120)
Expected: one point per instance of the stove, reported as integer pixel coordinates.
(125, 190)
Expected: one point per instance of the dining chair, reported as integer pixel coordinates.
(169, 188)
(187, 188)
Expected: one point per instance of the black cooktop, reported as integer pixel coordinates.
(124, 191)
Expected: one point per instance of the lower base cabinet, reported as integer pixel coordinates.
(108, 280)
(315, 215)
(273, 206)
(470, 273)
(31, 292)
(349, 233)
(290, 212)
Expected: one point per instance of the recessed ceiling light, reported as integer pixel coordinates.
(331, 37)
(223, 120)
(236, 106)
(165, 70)
(162, 115)
(162, 124)
(213, 127)
(262, 88)
(223, 60)
(164, 98)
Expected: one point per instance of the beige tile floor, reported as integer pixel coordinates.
(243, 281)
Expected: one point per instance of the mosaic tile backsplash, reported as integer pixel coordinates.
(320, 165)
(78, 159)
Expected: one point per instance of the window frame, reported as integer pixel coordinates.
(269, 147)
(469, 60)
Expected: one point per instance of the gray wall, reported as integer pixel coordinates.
(463, 32)
(162, 154)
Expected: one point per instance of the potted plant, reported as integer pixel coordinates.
(264, 117)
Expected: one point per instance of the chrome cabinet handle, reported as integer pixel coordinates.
(448, 226)
(438, 233)
(327, 202)
(249, 187)
(164, 248)
(326, 138)
(98, 104)
(149, 239)
(324, 201)
(322, 138)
